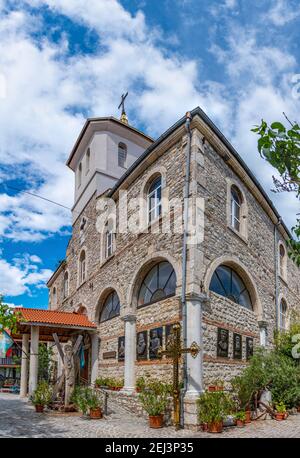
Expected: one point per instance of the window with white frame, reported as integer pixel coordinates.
(236, 202)
(154, 199)
(79, 174)
(88, 159)
(283, 315)
(66, 284)
(109, 241)
(82, 267)
(122, 155)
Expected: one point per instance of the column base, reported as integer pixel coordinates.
(190, 409)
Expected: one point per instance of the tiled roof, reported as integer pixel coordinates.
(55, 317)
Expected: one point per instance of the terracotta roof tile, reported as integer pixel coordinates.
(55, 317)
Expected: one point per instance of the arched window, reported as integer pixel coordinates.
(122, 155)
(226, 282)
(159, 283)
(111, 307)
(154, 199)
(88, 159)
(66, 284)
(282, 261)
(79, 174)
(236, 202)
(283, 315)
(54, 296)
(109, 240)
(82, 267)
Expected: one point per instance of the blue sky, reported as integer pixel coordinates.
(64, 60)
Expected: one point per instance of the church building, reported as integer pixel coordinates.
(176, 229)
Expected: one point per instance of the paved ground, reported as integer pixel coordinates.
(19, 419)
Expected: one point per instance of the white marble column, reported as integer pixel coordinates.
(24, 365)
(94, 357)
(130, 353)
(34, 359)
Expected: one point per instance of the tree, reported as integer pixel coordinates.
(8, 317)
(280, 147)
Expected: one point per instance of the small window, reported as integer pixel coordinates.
(109, 249)
(236, 203)
(79, 175)
(154, 200)
(82, 267)
(111, 307)
(88, 159)
(66, 285)
(54, 296)
(122, 155)
(283, 315)
(282, 261)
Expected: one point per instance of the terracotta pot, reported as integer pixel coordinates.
(215, 427)
(39, 408)
(95, 414)
(215, 388)
(240, 423)
(298, 409)
(156, 421)
(204, 426)
(280, 416)
(248, 416)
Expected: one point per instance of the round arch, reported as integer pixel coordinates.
(142, 269)
(102, 298)
(244, 273)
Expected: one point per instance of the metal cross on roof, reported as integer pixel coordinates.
(122, 105)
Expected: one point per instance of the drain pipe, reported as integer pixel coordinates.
(184, 253)
(276, 270)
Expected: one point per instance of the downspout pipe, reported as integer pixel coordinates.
(276, 270)
(184, 251)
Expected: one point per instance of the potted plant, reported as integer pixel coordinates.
(240, 418)
(41, 396)
(213, 408)
(140, 384)
(280, 411)
(80, 399)
(94, 403)
(155, 405)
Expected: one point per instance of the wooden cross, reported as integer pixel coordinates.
(174, 350)
(123, 97)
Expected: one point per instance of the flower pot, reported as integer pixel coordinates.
(156, 421)
(95, 414)
(39, 408)
(204, 426)
(240, 423)
(280, 416)
(215, 427)
(248, 416)
(298, 409)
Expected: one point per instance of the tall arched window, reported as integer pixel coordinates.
(82, 267)
(122, 155)
(154, 199)
(282, 315)
(54, 296)
(226, 282)
(88, 159)
(109, 240)
(66, 284)
(111, 307)
(236, 202)
(79, 174)
(159, 283)
(282, 261)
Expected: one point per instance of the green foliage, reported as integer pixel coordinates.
(152, 402)
(109, 382)
(45, 362)
(214, 406)
(42, 395)
(8, 317)
(280, 146)
(85, 398)
(241, 415)
(280, 407)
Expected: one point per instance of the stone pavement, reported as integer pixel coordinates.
(19, 419)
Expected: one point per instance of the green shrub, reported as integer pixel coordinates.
(42, 395)
(153, 403)
(214, 406)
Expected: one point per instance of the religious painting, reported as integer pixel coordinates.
(121, 348)
(155, 342)
(237, 346)
(249, 347)
(169, 333)
(222, 343)
(141, 345)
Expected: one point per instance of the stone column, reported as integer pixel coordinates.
(94, 357)
(34, 359)
(130, 353)
(194, 365)
(24, 365)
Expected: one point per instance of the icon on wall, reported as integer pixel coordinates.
(249, 347)
(222, 343)
(141, 345)
(121, 348)
(155, 342)
(237, 346)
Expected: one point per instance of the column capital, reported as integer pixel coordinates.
(130, 317)
(262, 323)
(201, 297)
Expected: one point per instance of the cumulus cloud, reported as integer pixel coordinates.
(283, 12)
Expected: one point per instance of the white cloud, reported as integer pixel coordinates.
(20, 275)
(283, 12)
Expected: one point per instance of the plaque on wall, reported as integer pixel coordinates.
(109, 354)
(249, 347)
(222, 343)
(237, 346)
(121, 348)
(141, 345)
(155, 342)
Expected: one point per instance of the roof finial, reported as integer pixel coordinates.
(123, 118)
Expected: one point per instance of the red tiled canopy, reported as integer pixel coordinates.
(55, 317)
